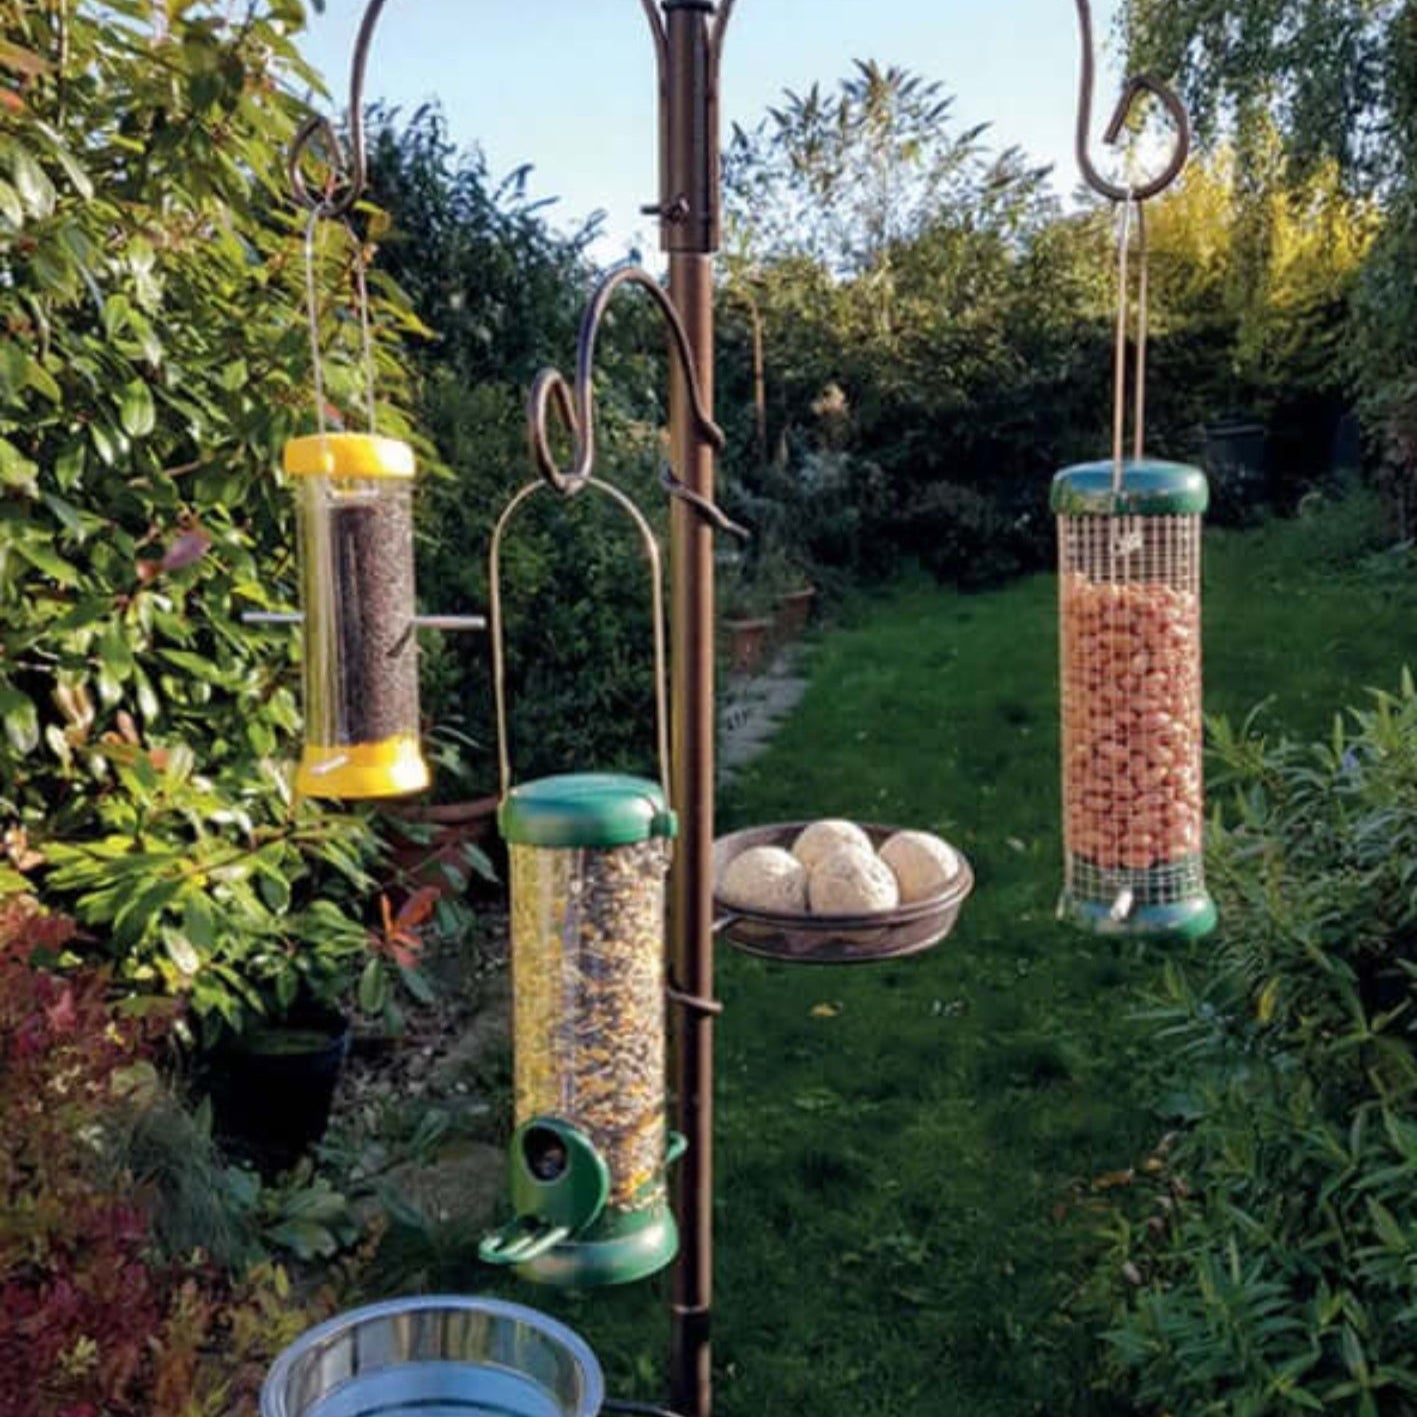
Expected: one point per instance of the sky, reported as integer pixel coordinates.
(569, 85)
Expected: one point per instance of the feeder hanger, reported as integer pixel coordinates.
(1132, 199)
(1131, 93)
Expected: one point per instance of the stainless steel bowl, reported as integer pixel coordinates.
(440, 1356)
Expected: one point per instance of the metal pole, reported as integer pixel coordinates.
(689, 213)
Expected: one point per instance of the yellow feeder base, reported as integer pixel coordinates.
(391, 768)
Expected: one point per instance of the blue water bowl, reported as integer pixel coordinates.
(438, 1356)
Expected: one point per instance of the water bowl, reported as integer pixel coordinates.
(438, 1356)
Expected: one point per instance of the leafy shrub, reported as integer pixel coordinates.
(156, 358)
(1275, 1272)
(93, 1318)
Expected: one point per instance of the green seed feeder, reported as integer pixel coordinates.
(1130, 607)
(589, 856)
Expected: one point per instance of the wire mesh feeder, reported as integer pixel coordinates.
(834, 939)
(1130, 602)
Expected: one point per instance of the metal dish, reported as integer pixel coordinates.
(834, 939)
(441, 1356)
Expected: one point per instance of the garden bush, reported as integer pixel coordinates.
(156, 358)
(96, 1315)
(1270, 1267)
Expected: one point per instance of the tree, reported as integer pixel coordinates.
(1338, 78)
(843, 177)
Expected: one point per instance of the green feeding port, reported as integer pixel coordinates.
(588, 1167)
(1129, 591)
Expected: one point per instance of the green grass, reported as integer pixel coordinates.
(900, 1175)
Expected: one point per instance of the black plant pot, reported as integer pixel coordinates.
(271, 1089)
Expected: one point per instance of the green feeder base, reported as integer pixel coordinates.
(619, 1250)
(1184, 920)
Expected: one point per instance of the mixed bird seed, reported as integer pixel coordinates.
(588, 1003)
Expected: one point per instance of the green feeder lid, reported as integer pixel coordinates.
(586, 809)
(1149, 489)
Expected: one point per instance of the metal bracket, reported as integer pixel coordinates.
(450, 623)
(694, 1003)
(575, 403)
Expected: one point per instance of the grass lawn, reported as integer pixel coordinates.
(901, 1148)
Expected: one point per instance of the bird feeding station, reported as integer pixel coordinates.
(1129, 545)
(589, 855)
(602, 936)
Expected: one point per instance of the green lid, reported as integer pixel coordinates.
(586, 809)
(1149, 489)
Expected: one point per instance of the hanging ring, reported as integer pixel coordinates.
(350, 165)
(1135, 88)
(339, 194)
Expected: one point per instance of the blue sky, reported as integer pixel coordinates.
(569, 84)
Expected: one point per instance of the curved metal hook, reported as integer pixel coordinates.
(575, 404)
(1135, 88)
(350, 165)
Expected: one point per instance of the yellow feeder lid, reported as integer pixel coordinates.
(392, 767)
(348, 456)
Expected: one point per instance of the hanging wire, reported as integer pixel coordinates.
(361, 289)
(1132, 199)
(1143, 333)
(650, 546)
(1119, 355)
(312, 315)
(1133, 218)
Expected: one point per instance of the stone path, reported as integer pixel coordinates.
(753, 709)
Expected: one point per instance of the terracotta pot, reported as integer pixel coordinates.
(794, 612)
(438, 860)
(748, 642)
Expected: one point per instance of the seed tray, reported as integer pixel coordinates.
(834, 939)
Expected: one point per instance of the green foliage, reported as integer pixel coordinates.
(845, 177)
(916, 318)
(937, 334)
(1336, 75)
(1276, 1273)
(156, 360)
(505, 294)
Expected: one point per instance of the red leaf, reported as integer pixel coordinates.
(62, 1014)
(22, 61)
(417, 908)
